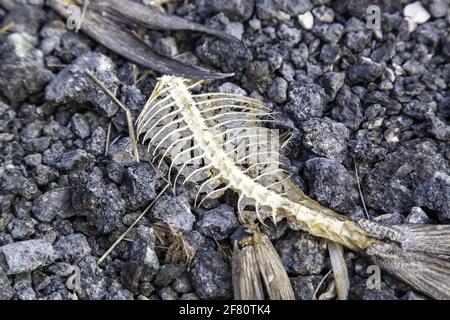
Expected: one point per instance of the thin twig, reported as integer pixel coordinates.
(114, 141)
(359, 189)
(127, 112)
(143, 76)
(320, 284)
(157, 171)
(108, 137)
(106, 254)
(83, 15)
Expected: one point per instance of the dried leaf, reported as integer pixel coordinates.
(118, 38)
(257, 269)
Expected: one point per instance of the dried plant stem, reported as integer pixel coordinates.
(83, 15)
(125, 109)
(340, 271)
(320, 284)
(106, 254)
(359, 189)
(108, 138)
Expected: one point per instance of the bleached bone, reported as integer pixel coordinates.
(418, 255)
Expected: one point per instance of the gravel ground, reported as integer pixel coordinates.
(347, 92)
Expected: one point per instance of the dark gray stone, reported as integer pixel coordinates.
(100, 202)
(189, 296)
(439, 8)
(168, 273)
(347, 109)
(97, 142)
(277, 91)
(52, 155)
(77, 159)
(32, 130)
(274, 232)
(167, 293)
(301, 254)
(45, 174)
(166, 46)
(268, 9)
(175, 211)
(71, 45)
(7, 114)
(121, 152)
(139, 186)
(6, 291)
(389, 219)
(419, 110)
(33, 160)
(22, 72)
(411, 295)
(229, 87)
(362, 292)
(54, 203)
(326, 138)
(230, 56)
(364, 73)
(119, 294)
(299, 56)
(210, 275)
(114, 172)
(72, 84)
(218, 223)
(358, 40)
(332, 185)
(234, 9)
(25, 293)
(305, 100)
(93, 283)
(291, 35)
(329, 32)
(72, 248)
(26, 256)
(257, 76)
(323, 14)
(439, 129)
(390, 185)
(332, 82)
(366, 145)
(142, 252)
(417, 216)
(434, 195)
(80, 125)
(21, 228)
(199, 242)
(330, 53)
(304, 287)
(13, 182)
(182, 284)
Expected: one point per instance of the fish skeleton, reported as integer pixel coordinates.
(189, 129)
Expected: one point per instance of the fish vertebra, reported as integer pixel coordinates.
(177, 122)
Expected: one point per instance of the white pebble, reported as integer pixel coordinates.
(415, 14)
(306, 20)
